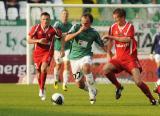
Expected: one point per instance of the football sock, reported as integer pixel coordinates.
(145, 90)
(56, 74)
(43, 80)
(113, 79)
(39, 82)
(65, 76)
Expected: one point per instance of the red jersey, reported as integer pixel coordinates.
(37, 32)
(124, 49)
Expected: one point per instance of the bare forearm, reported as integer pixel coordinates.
(72, 36)
(32, 40)
(120, 39)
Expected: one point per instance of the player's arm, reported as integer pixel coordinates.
(71, 35)
(127, 38)
(120, 39)
(32, 40)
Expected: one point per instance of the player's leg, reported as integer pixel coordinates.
(58, 61)
(86, 64)
(37, 64)
(144, 88)
(77, 75)
(65, 75)
(56, 74)
(43, 75)
(157, 89)
(66, 70)
(108, 70)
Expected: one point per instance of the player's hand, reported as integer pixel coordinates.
(82, 28)
(43, 41)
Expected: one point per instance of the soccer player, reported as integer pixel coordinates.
(156, 49)
(83, 36)
(125, 58)
(42, 36)
(64, 25)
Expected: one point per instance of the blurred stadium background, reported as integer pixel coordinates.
(13, 35)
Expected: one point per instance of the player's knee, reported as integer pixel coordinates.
(44, 70)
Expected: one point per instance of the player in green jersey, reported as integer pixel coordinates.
(82, 37)
(63, 25)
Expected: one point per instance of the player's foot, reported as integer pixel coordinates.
(93, 94)
(153, 102)
(64, 87)
(156, 91)
(43, 97)
(118, 92)
(55, 85)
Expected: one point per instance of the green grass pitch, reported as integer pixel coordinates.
(23, 100)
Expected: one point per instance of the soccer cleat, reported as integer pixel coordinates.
(64, 87)
(55, 85)
(93, 94)
(153, 102)
(118, 92)
(43, 97)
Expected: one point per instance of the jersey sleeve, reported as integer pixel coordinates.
(130, 32)
(56, 25)
(58, 33)
(32, 31)
(98, 39)
(73, 29)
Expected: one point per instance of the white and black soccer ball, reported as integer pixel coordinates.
(57, 99)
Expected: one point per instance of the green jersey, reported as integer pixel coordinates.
(65, 28)
(82, 43)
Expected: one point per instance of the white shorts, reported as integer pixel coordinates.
(76, 66)
(57, 56)
(157, 57)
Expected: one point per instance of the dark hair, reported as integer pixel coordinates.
(121, 12)
(45, 14)
(89, 16)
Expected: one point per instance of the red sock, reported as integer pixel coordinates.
(113, 79)
(146, 91)
(43, 80)
(39, 82)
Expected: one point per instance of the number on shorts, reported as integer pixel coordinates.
(77, 75)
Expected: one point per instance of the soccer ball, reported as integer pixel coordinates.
(57, 99)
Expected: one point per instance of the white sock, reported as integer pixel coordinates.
(65, 77)
(56, 74)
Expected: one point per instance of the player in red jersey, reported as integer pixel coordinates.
(121, 34)
(42, 36)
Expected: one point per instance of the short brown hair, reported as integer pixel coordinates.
(121, 12)
(89, 16)
(45, 14)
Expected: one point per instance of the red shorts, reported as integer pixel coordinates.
(38, 59)
(125, 65)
